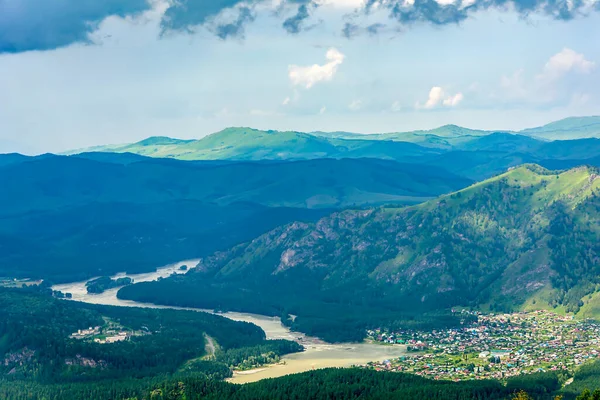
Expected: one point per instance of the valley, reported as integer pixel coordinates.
(299, 200)
(494, 346)
(317, 354)
(465, 258)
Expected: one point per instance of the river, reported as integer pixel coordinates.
(318, 354)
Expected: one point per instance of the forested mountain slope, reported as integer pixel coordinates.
(527, 234)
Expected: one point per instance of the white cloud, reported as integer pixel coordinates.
(453, 101)
(564, 62)
(548, 85)
(313, 74)
(437, 96)
(355, 105)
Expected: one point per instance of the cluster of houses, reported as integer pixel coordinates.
(86, 333)
(118, 337)
(496, 346)
(110, 334)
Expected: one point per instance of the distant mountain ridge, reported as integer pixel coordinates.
(474, 154)
(567, 129)
(254, 144)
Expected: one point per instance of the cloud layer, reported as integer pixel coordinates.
(42, 24)
(294, 24)
(442, 12)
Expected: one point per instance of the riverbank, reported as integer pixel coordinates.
(318, 354)
(321, 356)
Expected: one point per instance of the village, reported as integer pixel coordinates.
(111, 332)
(497, 346)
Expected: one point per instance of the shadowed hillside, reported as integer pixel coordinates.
(72, 217)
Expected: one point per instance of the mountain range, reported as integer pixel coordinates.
(248, 143)
(340, 230)
(474, 154)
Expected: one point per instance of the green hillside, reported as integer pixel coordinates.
(253, 144)
(238, 143)
(248, 143)
(567, 129)
(474, 154)
(527, 235)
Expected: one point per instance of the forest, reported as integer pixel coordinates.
(37, 341)
(166, 358)
(320, 384)
(332, 316)
(99, 285)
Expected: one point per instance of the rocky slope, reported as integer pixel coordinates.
(526, 233)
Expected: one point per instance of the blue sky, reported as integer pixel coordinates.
(76, 73)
